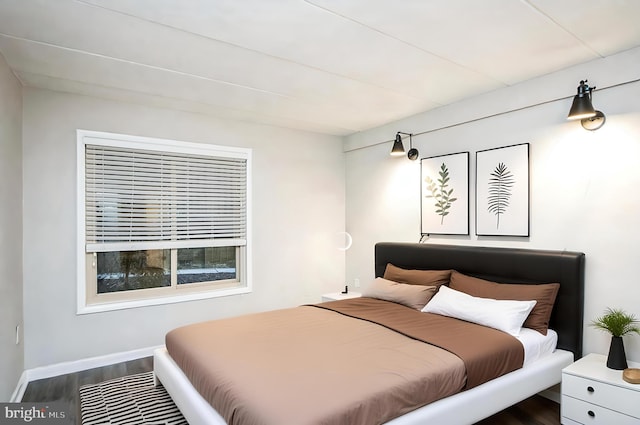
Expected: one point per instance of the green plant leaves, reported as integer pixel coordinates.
(617, 322)
(440, 192)
(501, 182)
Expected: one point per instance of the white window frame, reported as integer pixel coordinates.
(243, 261)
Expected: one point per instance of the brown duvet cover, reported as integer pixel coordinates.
(358, 361)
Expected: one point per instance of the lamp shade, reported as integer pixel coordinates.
(398, 148)
(581, 107)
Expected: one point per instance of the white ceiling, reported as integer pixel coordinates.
(328, 66)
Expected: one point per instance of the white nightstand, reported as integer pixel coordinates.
(594, 394)
(335, 296)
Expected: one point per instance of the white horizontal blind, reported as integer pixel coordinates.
(146, 199)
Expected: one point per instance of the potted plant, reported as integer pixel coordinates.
(618, 323)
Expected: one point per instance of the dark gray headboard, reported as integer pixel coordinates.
(505, 265)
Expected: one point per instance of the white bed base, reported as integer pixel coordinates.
(466, 407)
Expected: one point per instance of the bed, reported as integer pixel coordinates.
(479, 399)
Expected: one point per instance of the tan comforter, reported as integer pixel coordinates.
(313, 365)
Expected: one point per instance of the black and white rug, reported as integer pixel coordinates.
(133, 399)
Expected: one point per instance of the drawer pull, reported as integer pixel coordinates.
(591, 413)
(590, 389)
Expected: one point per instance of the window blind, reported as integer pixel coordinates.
(145, 199)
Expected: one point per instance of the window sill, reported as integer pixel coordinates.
(194, 296)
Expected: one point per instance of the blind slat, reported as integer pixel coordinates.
(136, 196)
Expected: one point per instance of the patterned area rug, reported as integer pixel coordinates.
(133, 399)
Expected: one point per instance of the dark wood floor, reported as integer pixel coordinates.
(536, 410)
(65, 388)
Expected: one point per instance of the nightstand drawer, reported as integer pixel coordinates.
(597, 393)
(587, 413)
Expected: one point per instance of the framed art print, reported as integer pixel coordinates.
(502, 191)
(444, 194)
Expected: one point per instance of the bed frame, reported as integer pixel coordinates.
(496, 264)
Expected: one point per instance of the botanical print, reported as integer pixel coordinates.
(501, 182)
(445, 194)
(440, 193)
(502, 191)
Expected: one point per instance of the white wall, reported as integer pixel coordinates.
(584, 185)
(299, 206)
(11, 355)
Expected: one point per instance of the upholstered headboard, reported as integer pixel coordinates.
(505, 265)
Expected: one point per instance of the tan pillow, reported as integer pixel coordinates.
(544, 294)
(414, 296)
(417, 277)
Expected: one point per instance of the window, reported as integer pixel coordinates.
(160, 221)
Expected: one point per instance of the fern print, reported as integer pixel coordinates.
(440, 192)
(501, 182)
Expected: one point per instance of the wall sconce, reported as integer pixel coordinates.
(582, 109)
(398, 147)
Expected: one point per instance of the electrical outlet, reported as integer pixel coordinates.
(17, 334)
(356, 283)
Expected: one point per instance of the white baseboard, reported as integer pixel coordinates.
(77, 366)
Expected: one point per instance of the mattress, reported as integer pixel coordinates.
(536, 345)
(337, 368)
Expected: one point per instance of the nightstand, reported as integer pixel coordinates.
(335, 296)
(594, 394)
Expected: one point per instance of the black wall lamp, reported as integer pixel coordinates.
(582, 109)
(398, 147)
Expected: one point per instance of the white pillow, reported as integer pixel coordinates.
(505, 315)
